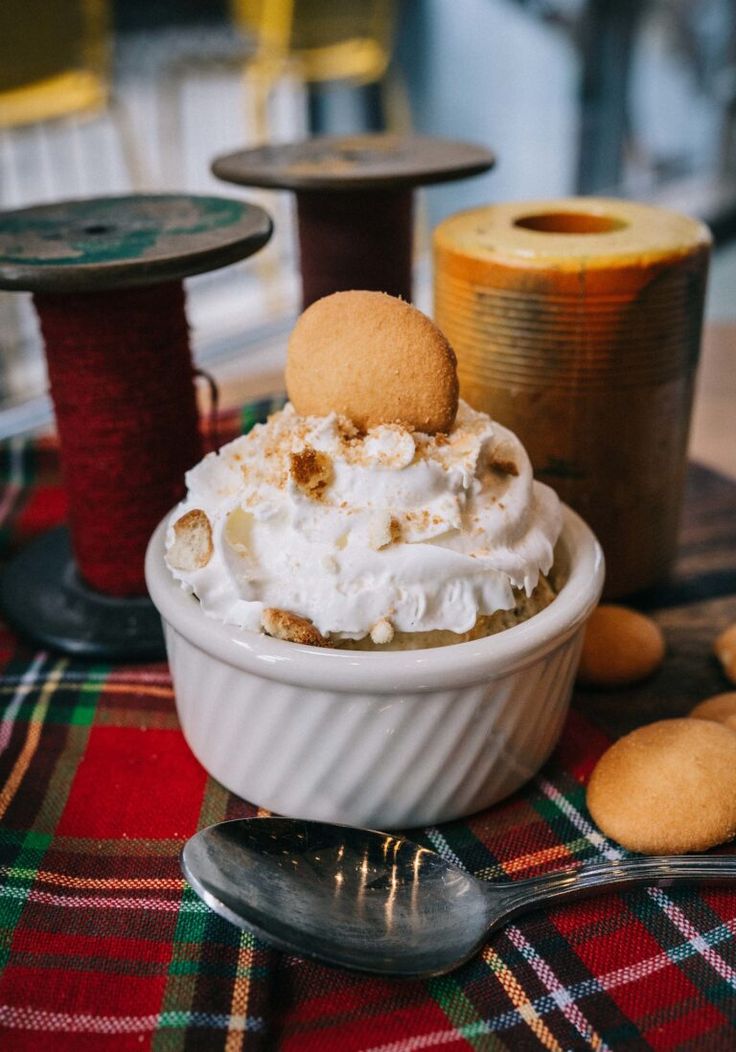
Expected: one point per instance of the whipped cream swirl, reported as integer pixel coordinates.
(352, 531)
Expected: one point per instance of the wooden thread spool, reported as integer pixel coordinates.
(354, 201)
(577, 324)
(106, 275)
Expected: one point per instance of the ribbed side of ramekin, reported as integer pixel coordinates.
(388, 740)
(380, 760)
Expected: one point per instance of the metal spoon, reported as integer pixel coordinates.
(379, 903)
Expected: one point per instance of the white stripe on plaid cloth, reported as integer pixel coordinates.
(559, 993)
(694, 943)
(26, 1017)
(695, 939)
(443, 848)
(596, 838)
(46, 898)
(620, 976)
(560, 996)
(26, 682)
(64, 880)
(433, 1040)
(100, 677)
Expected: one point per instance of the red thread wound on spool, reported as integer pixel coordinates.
(121, 377)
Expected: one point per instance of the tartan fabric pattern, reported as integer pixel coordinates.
(104, 946)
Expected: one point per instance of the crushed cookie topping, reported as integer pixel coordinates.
(382, 632)
(385, 533)
(283, 624)
(347, 430)
(321, 533)
(312, 471)
(192, 548)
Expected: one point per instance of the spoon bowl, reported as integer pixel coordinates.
(376, 902)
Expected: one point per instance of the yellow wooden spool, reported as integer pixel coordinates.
(577, 324)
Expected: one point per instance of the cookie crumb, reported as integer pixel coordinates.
(312, 472)
(282, 624)
(385, 531)
(192, 548)
(382, 632)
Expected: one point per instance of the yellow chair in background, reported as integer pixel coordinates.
(320, 43)
(328, 40)
(54, 59)
(54, 79)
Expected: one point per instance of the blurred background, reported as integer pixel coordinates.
(633, 98)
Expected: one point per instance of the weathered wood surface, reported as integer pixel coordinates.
(354, 162)
(117, 242)
(692, 608)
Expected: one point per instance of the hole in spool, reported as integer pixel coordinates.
(571, 223)
(97, 228)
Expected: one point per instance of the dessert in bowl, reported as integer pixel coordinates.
(373, 613)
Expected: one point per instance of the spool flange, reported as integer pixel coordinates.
(354, 201)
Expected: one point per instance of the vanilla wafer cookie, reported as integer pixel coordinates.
(667, 788)
(725, 650)
(721, 708)
(374, 359)
(621, 647)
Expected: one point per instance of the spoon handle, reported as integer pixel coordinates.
(588, 880)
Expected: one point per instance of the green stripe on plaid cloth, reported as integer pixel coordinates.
(103, 945)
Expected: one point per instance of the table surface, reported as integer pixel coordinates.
(713, 432)
(104, 946)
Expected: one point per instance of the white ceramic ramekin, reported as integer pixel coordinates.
(387, 740)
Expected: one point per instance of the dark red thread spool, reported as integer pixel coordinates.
(106, 275)
(348, 242)
(121, 372)
(354, 201)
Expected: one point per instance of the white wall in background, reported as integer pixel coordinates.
(486, 71)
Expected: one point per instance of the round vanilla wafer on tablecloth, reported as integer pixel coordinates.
(721, 708)
(668, 787)
(621, 646)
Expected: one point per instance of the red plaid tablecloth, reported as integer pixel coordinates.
(104, 946)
